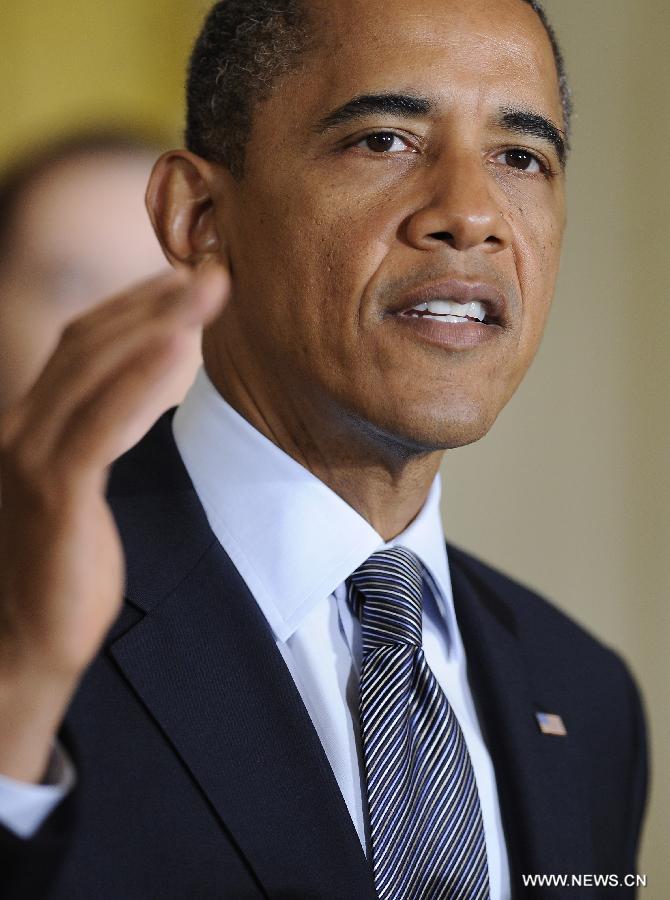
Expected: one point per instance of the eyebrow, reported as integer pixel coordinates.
(523, 122)
(404, 105)
(409, 106)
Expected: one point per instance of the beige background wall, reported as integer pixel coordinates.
(570, 491)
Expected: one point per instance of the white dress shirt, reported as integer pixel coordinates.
(295, 542)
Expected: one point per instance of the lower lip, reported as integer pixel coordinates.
(449, 335)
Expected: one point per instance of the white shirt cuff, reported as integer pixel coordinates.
(25, 807)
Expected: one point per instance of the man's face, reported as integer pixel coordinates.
(444, 187)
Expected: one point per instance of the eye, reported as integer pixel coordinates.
(519, 159)
(383, 142)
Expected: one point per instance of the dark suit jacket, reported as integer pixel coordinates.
(201, 775)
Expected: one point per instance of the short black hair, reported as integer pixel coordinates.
(243, 47)
(40, 159)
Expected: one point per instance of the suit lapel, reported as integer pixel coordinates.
(205, 665)
(538, 776)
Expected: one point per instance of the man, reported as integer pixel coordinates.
(59, 255)
(378, 190)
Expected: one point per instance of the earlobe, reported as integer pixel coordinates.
(181, 207)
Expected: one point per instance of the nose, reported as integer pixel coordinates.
(461, 210)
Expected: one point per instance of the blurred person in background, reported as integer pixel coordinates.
(59, 256)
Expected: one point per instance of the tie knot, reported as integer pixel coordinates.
(385, 594)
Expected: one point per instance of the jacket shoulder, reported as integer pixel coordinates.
(548, 633)
(574, 674)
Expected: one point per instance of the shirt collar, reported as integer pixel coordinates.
(292, 538)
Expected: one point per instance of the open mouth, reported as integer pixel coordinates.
(450, 311)
(454, 313)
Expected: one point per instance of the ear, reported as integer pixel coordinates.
(180, 201)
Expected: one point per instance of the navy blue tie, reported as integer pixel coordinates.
(425, 819)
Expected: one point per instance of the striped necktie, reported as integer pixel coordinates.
(425, 820)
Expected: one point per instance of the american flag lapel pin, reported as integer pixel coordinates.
(550, 723)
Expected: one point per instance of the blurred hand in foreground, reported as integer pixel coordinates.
(61, 564)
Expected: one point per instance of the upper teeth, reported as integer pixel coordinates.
(474, 310)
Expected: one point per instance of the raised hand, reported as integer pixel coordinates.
(61, 564)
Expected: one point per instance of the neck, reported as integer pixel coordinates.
(381, 479)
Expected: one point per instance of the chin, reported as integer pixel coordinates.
(416, 432)
(454, 429)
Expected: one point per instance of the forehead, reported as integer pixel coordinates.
(80, 198)
(87, 215)
(476, 51)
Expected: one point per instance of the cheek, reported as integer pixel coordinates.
(538, 236)
(319, 250)
(358, 247)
